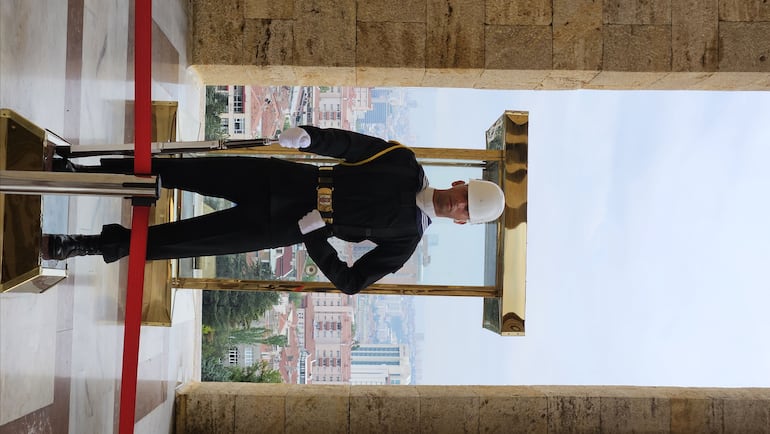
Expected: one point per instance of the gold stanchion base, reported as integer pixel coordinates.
(23, 147)
(158, 297)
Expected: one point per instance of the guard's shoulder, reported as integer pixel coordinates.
(398, 148)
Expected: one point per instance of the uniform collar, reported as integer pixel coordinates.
(425, 202)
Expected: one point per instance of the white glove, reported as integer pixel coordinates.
(311, 222)
(295, 138)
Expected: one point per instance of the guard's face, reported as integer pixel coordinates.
(453, 203)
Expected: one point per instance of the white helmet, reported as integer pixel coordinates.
(486, 201)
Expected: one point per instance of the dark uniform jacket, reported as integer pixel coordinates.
(375, 200)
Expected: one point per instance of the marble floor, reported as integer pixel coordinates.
(67, 66)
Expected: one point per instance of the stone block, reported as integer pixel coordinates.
(180, 409)
(447, 410)
(397, 11)
(384, 409)
(636, 392)
(695, 414)
(324, 76)
(620, 80)
(635, 414)
(587, 13)
(573, 412)
(217, 32)
(325, 33)
(762, 393)
(451, 77)
(577, 34)
(744, 393)
(519, 12)
(637, 11)
(268, 9)
(636, 48)
(569, 79)
(259, 408)
(736, 81)
(694, 35)
(317, 408)
(744, 10)
(518, 47)
(207, 408)
(744, 47)
(512, 410)
(394, 77)
(214, 75)
(512, 79)
(455, 34)
(269, 42)
(749, 415)
(272, 75)
(390, 44)
(681, 81)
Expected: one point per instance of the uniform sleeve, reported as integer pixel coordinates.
(384, 259)
(347, 145)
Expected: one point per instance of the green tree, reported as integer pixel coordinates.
(257, 335)
(277, 340)
(216, 104)
(230, 309)
(214, 344)
(296, 298)
(213, 370)
(248, 336)
(227, 309)
(236, 266)
(260, 372)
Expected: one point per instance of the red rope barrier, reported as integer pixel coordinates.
(133, 319)
(141, 214)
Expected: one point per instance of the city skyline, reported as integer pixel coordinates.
(646, 230)
(258, 111)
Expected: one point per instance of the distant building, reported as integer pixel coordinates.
(380, 364)
(328, 334)
(236, 122)
(245, 355)
(339, 107)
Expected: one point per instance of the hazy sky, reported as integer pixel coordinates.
(648, 257)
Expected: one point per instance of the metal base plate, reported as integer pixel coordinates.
(23, 147)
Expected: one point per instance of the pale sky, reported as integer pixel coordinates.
(648, 257)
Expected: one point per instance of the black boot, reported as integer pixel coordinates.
(64, 165)
(61, 247)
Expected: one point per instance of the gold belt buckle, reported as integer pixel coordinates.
(325, 199)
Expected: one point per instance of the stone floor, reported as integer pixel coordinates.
(67, 66)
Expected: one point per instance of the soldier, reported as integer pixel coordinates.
(378, 193)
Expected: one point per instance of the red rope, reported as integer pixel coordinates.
(141, 214)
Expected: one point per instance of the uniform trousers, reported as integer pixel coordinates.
(269, 197)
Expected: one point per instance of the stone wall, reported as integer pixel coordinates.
(500, 44)
(276, 408)
(494, 44)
